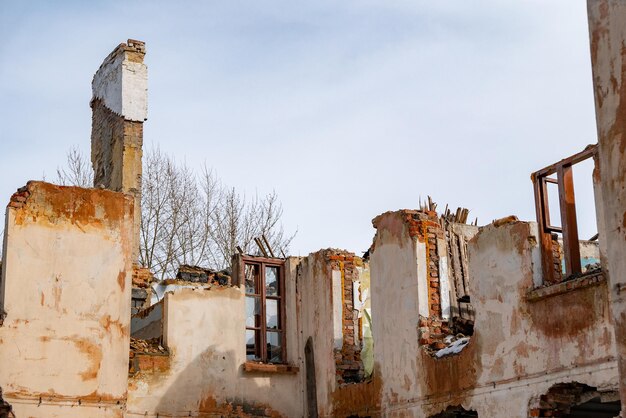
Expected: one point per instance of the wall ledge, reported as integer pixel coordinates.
(254, 367)
(593, 278)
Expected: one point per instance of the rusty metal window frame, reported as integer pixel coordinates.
(567, 204)
(260, 327)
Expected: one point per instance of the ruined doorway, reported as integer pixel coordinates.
(311, 390)
(577, 400)
(455, 412)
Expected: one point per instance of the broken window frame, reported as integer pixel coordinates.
(567, 204)
(260, 327)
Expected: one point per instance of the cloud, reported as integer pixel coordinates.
(346, 109)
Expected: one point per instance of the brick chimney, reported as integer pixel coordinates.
(119, 107)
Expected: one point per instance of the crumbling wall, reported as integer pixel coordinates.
(607, 33)
(348, 364)
(524, 341)
(119, 108)
(331, 302)
(397, 303)
(66, 286)
(205, 371)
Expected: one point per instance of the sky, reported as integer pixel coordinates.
(345, 109)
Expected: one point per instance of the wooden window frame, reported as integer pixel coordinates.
(567, 203)
(261, 329)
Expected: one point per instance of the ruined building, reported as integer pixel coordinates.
(439, 319)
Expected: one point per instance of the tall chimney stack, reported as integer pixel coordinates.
(119, 106)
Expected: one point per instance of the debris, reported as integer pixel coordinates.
(503, 221)
(269, 248)
(454, 348)
(195, 274)
(151, 346)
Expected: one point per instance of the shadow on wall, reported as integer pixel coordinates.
(212, 384)
(6, 411)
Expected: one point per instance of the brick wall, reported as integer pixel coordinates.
(348, 363)
(427, 227)
(119, 106)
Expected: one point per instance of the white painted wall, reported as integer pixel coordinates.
(123, 86)
(318, 316)
(337, 296)
(394, 266)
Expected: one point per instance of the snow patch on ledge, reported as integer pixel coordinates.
(455, 348)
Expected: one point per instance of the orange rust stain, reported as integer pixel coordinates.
(93, 354)
(358, 399)
(43, 299)
(453, 376)
(515, 323)
(108, 324)
(50, 204)
(407, 383)
(121, 280)
(554, 316)
(44, 338)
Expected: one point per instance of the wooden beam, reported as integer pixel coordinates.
(545, 239)
(588, 152)
(571, 246)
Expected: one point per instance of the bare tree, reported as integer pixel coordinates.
(190, 217)
(77, 171)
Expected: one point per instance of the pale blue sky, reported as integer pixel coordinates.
(347, 109)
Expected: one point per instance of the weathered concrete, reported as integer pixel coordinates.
(394, 271)
(66, 286)
(204, 330)
(316, 276)
(607, 33)
(520, 348)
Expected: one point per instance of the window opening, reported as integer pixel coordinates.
(265, 315)
(559, 175)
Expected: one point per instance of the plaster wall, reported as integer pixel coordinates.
(394, 267)
(204, 332)
(317, 275)
(66, 283)
(315, 281)
(607, 33)
(121, 83)
(520, 347)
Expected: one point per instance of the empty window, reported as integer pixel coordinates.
(265, 310)
(555, 184)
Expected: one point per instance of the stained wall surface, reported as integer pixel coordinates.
(328, 321)
(524, 341)
(607, 34)
(119, 107)
(204, 331)
(66, 291)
